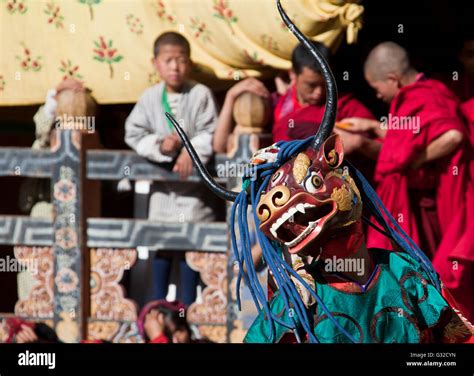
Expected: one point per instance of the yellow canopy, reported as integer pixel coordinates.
(108, 43)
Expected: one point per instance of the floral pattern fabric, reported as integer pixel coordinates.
(108, 44)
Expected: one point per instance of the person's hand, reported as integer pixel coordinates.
(26, 335)
(359, 125)
(281, 85)
(183, 165)
(351, 141)
(170, 144)
(251, 85)
(154, 324)
(70, 84)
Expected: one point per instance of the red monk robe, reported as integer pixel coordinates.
(464, 275)
(467, 109)
(442, 187)
(294, 121)
(464, 89)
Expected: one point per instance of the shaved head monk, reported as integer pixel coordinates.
(388, 69)
(422, 171)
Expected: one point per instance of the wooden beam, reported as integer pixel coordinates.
(120, 164)
(127, 233)
(24, 230)
(26, 162)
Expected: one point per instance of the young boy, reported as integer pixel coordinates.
(148, 132)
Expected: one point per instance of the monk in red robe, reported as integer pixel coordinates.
(463, 87)
(463, 83)
(297, 108)
(422, 172)
(299, 112)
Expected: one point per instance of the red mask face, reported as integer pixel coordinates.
(308, 198)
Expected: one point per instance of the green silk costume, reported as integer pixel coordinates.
(398, 306)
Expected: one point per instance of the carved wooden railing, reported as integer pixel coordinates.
(82, 259)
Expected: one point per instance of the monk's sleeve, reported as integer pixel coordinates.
(439, 114)
(419, 117)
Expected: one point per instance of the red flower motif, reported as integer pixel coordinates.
(102, 42)
(220, 6)
(27, 62)
(105, 53)
(162, 13)
(199, 29)
(224, 13)
(70, 70)
(100, 53)
(16, 5)
(53, 11)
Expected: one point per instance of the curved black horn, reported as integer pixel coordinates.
(329, 118)
(213, 186)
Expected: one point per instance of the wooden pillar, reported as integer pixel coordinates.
(73, 199)
(251, 114)
(140, 274)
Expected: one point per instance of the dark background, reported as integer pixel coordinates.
(433, 31)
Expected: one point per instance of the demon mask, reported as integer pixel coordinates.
(309, 198)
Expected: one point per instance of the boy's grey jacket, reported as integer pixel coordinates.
(145, 129)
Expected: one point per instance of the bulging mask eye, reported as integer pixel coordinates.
(277, 176)
(313, 183)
